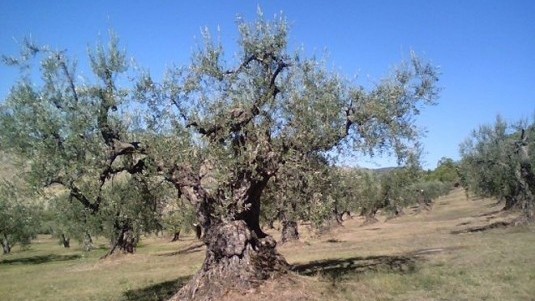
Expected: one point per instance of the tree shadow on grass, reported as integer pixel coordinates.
(487, 214)
(40, 259)
(336, 269)
(496, 225)
(156, 292)
(188, 250)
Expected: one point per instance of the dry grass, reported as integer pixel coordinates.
(414, 257)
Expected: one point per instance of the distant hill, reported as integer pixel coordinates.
(384, 170)
(380, 171)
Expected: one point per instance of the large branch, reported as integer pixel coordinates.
(241, 117)
(69, 77)
(76, 193)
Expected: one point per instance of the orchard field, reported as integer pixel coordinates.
(459, 250)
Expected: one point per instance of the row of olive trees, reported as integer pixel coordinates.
(498, 161)
(25, 213)
(214, 132)
(312, 190)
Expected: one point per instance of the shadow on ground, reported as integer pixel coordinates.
(188, 250)
(336, 269)
(488, 214)
(495, 225)
(156, 292)
(40, 259)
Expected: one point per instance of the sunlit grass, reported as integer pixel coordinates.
(497, 264)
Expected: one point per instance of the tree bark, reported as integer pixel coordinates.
(176, 236)
(338, 216)
(5, 245)
(66, 242)
(236, 259)
(526, 179)
(88, 242)
(125, 241)
(370, 217)
(239, 255)
(424, 203)
(289, 231)
(198, 231)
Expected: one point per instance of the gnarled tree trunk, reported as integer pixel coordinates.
(87, 242)
(6, 247)
(424, 203)
(236, 259)
(338, 216)
(289, 231)
(125, 242)
(176, 236)
(239, 256)
(65, 241)
(369, 215)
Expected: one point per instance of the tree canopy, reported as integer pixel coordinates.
(216, 130)
(497, 161)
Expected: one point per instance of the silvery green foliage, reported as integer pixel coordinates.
(76, 136)
(497, 161)
(216, 130)
(232, 120)
(19, 215)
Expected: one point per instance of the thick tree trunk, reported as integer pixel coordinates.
(239, 256)
(370, 217)
(348, 214)
(176, 236)
(6, 247)
(88, 242)
(511, 202)
(236, 259)
(289, 231)
(198, 231)
(338, 216)
(424, 203)
(125, 241)
(66, 242)
(397, 211)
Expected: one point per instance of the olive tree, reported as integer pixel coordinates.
(217, 130)
(77, 135)
(235, 124)
(20, 211)
(446, 172)
(19, 216)
(497, 161)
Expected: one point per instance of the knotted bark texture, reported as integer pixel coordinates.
(236, 260)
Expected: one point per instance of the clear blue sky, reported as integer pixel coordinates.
(485, 49)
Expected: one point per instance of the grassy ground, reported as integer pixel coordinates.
(414, 257)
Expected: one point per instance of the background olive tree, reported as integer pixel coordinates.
(19, 216)
(497, 161)
(76, 135)
(20, 212)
